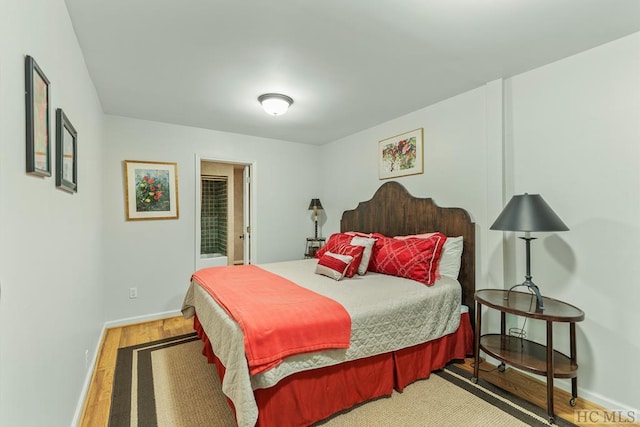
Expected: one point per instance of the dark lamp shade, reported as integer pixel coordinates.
(528, 212)
(315, 204)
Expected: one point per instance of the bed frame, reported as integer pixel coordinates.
(394, 212)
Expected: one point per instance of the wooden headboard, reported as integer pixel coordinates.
(394, 212)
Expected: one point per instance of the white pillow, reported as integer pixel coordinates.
(366, 255)
(451, 257)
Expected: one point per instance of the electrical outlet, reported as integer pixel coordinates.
(133, 293)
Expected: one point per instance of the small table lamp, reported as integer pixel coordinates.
(529, 212)
(315, 205)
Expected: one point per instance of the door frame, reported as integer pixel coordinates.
(252, 203)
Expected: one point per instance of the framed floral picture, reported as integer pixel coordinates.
(400, 155)
(37, 119)
(151, 190)
(66, 153)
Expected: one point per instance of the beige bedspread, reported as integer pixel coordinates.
(388, 313)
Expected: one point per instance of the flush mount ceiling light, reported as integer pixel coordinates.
(275, 104)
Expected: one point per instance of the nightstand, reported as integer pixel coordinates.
(313, 244)
(525, 354)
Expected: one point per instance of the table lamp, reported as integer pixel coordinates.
(315, 205)
(528, 212)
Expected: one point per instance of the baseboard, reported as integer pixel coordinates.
(598, 399)
(141, 319)
(94, 359)
(87, 381)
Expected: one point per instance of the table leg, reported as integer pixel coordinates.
(503, 332)
(574, 360)
(476, 345)
(550, 369)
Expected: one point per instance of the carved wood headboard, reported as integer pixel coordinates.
(394, 212)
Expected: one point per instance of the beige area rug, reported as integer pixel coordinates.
(169, 383)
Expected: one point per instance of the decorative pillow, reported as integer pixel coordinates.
(381, 240)
(367, 244)
(354, 251)
(333, 265)
(413, 258)
(335, 241)
(451, 257)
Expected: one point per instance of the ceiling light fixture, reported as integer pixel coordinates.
(275, 104)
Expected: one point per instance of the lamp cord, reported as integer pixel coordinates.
(520, 332)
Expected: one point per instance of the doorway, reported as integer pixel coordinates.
(223, 231)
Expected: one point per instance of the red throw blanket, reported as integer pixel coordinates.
(278, 317)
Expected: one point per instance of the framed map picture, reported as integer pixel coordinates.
(37, 119)
(400, 155)
(151, 190)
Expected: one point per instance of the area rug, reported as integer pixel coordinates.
(169, 383)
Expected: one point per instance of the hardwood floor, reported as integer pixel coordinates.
(98, 402)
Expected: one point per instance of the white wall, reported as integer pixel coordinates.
(575, 133)
(51, 307)
(157, 257)
(452, 127)
(572, 134)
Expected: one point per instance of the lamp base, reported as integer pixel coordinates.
(527, 277)
(534, 290)
(316, 226)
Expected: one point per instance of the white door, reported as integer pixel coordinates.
(246, 194)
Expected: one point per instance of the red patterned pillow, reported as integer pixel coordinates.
(356, 252)
(415, 259)
(380, 243)
(333, 265)
(339, 243)
(335, 241)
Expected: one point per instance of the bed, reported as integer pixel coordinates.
(402, 343)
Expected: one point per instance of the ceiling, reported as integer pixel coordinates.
(348, 64)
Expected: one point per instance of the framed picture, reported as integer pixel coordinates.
(37, 119)
(151, 190)
(66, 153)
(400, 155)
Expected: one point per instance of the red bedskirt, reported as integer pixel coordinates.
(306, 397)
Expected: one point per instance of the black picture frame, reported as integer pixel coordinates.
(37, 119)
(66, 153)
